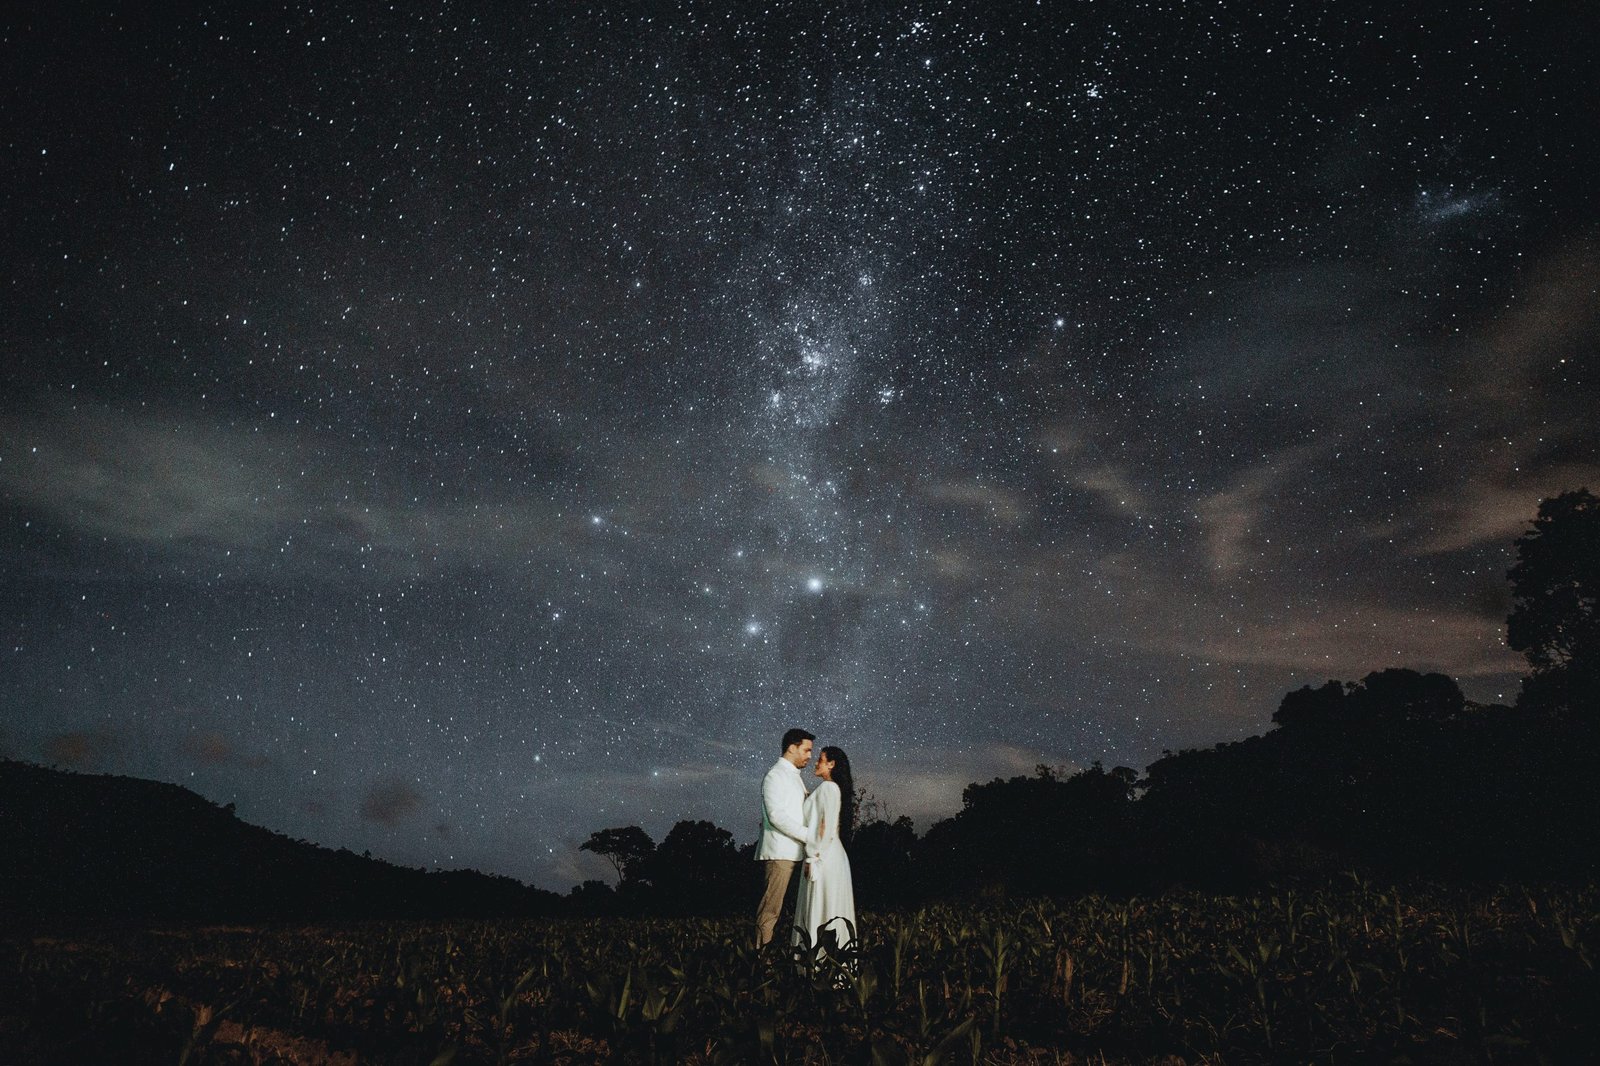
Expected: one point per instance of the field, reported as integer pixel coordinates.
(1356, 973)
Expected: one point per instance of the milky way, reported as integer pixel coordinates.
(447, 433)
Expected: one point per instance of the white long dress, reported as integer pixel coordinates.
(826, 901)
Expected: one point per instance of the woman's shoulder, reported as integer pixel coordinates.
(827, 785)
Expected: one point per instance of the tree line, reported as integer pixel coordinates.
(1395, 775)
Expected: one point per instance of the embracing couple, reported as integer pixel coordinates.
(806, 832)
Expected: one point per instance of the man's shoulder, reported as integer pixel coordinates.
(785, 772)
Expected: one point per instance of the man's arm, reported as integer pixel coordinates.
(777, 796)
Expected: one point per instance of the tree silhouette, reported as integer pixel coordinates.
(1400, 695)
(993, 845)
(1309, 707)
(698, 870)
(1555, 618)
(626, 848)
(882, 862)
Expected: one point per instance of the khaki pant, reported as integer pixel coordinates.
(779, 874)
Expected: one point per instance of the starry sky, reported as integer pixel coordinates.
(448, 430)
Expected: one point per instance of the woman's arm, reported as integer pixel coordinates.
(825, 820)
(828, 803)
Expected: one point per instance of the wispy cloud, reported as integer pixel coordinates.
(143, 478)
(995, 504)
(210, 747)
(214, 749)
(1113, 486)
(390, 803)
(172, 483)
(1353, 640)
(1072, 457)
(1492, 510)
(1232, 517)
(927, 785)
(1540, 336)
(1521, 387)
(79, 748)
(573, 866)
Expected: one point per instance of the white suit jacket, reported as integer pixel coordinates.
(783, 826)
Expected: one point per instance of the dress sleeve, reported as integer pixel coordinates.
(826, 829)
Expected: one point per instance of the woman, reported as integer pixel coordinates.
(825, 908)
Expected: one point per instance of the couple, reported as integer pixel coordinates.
(805, 831)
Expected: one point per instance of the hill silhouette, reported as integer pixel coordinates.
(98, 847)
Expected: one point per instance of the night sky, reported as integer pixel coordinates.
(448, 430)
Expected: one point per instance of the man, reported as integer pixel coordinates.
(783, 830)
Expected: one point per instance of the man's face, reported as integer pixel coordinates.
(799, 754)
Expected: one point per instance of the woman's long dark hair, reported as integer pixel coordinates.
(847, 791)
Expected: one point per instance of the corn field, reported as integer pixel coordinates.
(1356, 973)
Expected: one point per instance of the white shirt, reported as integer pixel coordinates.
(783, 827)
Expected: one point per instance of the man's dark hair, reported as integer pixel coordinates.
(793, 737)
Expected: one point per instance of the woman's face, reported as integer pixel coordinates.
(824, 767)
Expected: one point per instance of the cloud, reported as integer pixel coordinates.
(1112, 484)
(148, 479)
(283, 495)
(1230, 518)
(711, 746)
(1527, 410)
(1354, 640)
(1553, 323)
(1296, 347)
(214, 749)
(932, 789)
(1272, 619)
(79, 748)
(1000, 506)
(390, 803)
(1113, 487)
(956, 566)
(211, 748)
(680, 767)
(573, 867)
(1489, 510)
